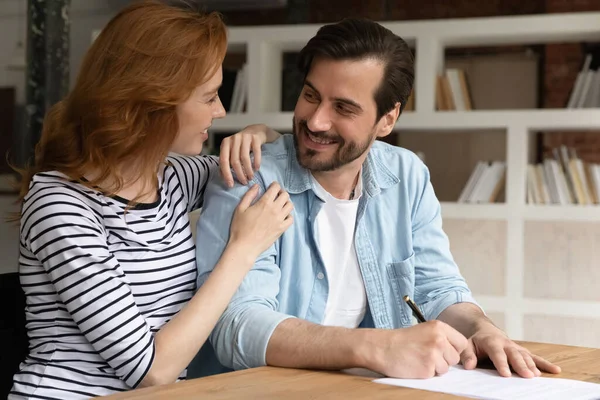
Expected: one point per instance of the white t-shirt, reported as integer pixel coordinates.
(334, 229)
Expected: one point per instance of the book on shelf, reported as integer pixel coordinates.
(518, 88)
(452, 91)
(586, 89)
(485, 183)
(292, 81)
(234, 89)
(563, 179)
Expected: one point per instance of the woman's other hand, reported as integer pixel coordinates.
(255, 227)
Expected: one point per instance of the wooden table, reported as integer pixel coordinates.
(278, 383)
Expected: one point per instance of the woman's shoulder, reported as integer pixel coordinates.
(55, 201)
(56, 188)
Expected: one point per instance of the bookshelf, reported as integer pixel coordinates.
(495, 244)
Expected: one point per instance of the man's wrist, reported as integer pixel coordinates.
(483, 324)
(365, 351)
(467, 318)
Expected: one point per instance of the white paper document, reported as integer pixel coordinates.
(488, 384)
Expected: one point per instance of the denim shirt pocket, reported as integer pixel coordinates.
(402, 280)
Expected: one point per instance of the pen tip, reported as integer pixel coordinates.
(406, 298)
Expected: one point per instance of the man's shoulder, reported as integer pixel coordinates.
(279, 149)
(275, 157)
(398, 160)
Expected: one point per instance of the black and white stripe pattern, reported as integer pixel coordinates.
(100, 282)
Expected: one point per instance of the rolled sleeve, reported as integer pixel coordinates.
(251, 334)
(242, 333)
(438, 281)
(435, 307)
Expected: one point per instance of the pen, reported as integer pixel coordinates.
(415, 309)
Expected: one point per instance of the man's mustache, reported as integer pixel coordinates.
(320, 134)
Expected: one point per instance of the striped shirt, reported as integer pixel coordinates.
(99, 282)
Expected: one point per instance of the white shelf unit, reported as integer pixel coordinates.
(264, 46)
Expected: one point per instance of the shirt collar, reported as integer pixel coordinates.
(375, 174)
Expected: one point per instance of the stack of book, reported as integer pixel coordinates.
(563, 179)
(586, 91)
(485, 183)
(452, 91)
(234, 89)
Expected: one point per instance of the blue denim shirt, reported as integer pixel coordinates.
(400, 246)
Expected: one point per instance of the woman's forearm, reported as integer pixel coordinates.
(180, 339)
(272, 135)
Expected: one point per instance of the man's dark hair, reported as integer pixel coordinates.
(357, 39)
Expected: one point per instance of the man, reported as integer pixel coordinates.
(367, 231)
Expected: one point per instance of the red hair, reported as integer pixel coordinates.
(122, 110)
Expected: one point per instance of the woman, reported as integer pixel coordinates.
(107, 259)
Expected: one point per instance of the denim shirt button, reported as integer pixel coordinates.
(320, 275)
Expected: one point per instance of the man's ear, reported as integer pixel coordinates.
(388, 121)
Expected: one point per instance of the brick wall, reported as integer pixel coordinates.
(320, 11)
(325, 11)
(558, 6)
(563, 62)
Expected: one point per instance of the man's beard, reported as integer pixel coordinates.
(343, 155)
